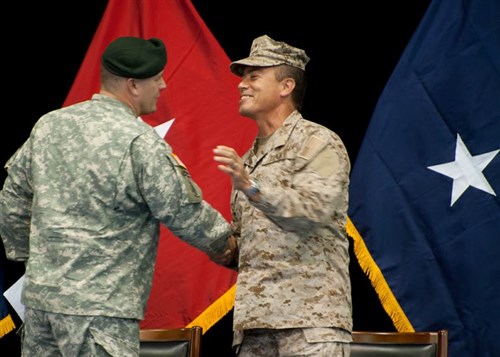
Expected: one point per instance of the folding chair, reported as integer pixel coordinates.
(179, 342)
(400, 344)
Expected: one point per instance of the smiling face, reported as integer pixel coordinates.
(260, 91)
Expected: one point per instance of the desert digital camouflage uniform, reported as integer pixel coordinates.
(291, 342)
(268, 52)
(293, 249)
(83, 201)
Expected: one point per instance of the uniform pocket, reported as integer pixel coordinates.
(113, 345)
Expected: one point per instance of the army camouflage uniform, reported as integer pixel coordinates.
(84, 199)
(293, 248)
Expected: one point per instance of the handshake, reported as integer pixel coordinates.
(229, 257)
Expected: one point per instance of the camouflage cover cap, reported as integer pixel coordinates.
(267, 52)
(134, 57)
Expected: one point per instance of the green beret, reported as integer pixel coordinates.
(134, 57)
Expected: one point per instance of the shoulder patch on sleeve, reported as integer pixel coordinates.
(311, 148)
(194, 194)
(176, 158)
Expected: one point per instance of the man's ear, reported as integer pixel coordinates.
(131, 85)
(288, 84)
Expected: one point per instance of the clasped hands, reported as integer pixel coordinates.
(229, 255)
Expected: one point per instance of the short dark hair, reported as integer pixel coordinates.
(299, 76)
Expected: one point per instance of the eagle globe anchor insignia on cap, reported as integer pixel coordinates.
(134, 57)
(266, 52)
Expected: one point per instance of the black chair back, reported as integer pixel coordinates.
(180, 342)
(399, 344)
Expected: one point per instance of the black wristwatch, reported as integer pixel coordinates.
(253, 189)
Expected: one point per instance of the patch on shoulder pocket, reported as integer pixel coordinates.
(326, 163)
(194, 194)
(176, 158)
(312, 146)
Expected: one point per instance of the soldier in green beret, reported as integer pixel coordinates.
(289, 205)
(82, 206)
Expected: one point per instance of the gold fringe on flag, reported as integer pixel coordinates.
(215, 311)
(6, 325)
(374, 274)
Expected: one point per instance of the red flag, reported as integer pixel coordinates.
(201, 103)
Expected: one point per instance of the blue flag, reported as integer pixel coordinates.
(6, 321)
(424, 209)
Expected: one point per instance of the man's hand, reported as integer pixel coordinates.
(232, 164)
(230, 254)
